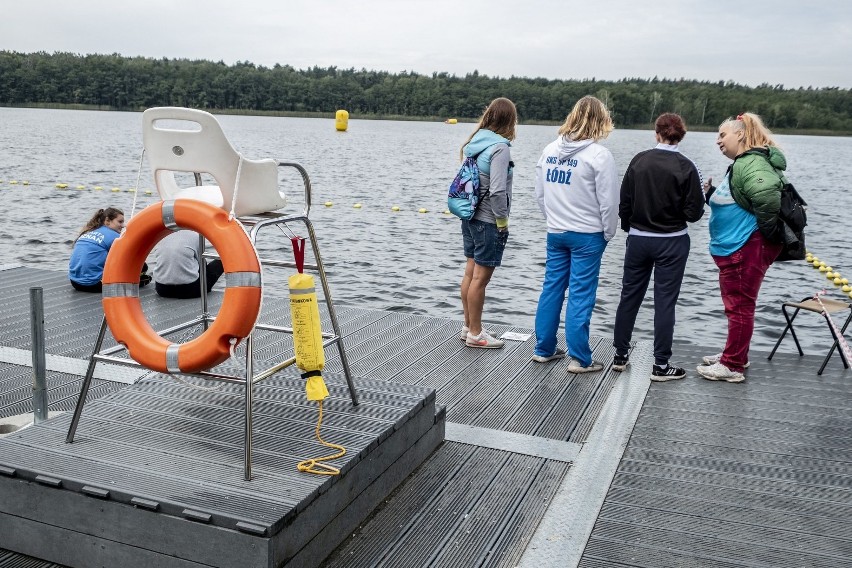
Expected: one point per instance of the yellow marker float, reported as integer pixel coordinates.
(310, 356)
(341, 120)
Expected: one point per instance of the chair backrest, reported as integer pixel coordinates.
(192, 141)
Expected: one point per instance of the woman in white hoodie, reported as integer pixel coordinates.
(576, 185)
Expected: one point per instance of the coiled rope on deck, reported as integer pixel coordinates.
(315, 465)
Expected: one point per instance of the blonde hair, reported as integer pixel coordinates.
(588, 119)
(756, 135)
(500, 117)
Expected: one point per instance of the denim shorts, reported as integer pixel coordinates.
(483, 242)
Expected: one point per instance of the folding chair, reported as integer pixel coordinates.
(809, 304)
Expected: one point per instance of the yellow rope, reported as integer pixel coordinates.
(314, 465)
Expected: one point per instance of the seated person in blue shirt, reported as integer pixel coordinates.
(86, 267)
(177, 266)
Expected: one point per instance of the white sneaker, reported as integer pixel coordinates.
(575, 367)
(483, 341)
(558, 354)
(719, 372)
(465, 330)
(713, 359)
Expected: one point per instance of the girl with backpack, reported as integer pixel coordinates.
(485, 235)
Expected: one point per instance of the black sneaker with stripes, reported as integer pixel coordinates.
(667, 373)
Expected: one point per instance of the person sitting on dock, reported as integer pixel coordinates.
(86, 266)
(177, 273)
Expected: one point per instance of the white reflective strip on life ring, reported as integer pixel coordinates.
(172, 358)
(169, 216)
(241, 279)
(122, 290)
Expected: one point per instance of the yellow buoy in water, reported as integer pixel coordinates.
(341, 120)
(13, 182)
(395, 208)
(329, 203)
(837, 281)
(26, 182)
(452, 121)
(357, 206)
(422, 210)
(98, 188)
(846, 288)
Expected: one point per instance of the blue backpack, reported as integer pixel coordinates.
(463, 196)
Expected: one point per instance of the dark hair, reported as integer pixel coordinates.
(670, 127)
(100, 218)
(500, 117)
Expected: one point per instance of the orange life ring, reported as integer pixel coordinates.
(240, 306)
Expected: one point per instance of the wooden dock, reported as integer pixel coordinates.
(538, 468)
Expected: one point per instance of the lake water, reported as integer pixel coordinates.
(405, 260)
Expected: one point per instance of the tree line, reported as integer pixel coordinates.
(135, 83)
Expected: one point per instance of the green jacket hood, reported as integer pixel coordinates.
(773, 154)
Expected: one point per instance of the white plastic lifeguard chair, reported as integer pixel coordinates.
(187, 140)
(191, 142)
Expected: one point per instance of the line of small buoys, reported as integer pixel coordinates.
(16, 182)
(394, 208)
(832, 275)
(82, 187)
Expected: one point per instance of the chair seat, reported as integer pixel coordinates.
(825, 307)
(208, 193)
(831, 306)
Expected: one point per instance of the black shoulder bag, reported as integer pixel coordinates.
(792, 220)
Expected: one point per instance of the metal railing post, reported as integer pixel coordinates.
(39, 365)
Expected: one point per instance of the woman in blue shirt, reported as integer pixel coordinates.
(86, 267)
(743, 234)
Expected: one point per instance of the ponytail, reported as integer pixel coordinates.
(756, 135)
(99, 219)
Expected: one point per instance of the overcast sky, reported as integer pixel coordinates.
(794, 43)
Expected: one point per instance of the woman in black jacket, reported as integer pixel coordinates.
(660, 193)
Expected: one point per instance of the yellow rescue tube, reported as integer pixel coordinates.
(307, 333)
(341, 120)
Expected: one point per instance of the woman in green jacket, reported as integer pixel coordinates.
(744, 234)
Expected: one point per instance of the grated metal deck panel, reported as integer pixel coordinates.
(714, 474)
(755, 474)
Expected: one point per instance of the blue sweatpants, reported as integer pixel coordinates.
(573, 262)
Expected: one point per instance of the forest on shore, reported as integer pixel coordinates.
(119, 82)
